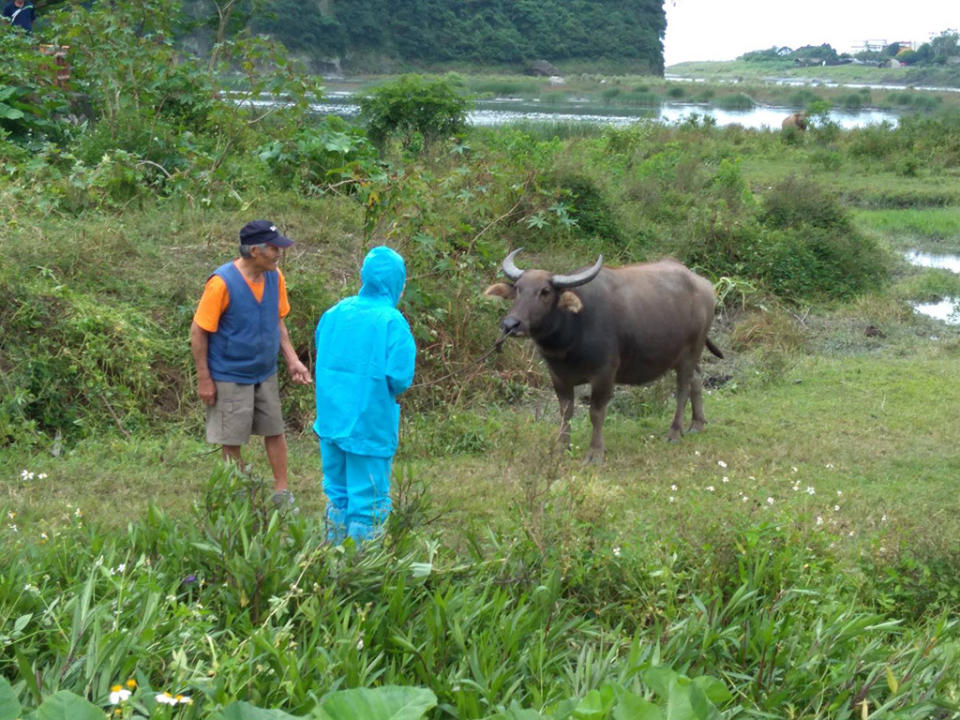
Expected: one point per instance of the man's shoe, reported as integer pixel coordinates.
(283, 501)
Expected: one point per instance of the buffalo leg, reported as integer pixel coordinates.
(696, 401)
(599, 397)
(684, 381)
(565, 397)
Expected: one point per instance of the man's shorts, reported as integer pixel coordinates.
(244, 410)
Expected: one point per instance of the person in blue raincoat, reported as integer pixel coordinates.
(365, 359)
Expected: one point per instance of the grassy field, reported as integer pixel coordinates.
(798, 557)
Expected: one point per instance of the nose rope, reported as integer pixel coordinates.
(497, 347)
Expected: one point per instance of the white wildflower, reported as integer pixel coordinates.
(41, 476)
(672, 499)
(794, 468)
(811, 491)
(819, 520)
(770, 501)
(710, 488)
(165, 698)
(119, 694)
(360, 644)
(721, 463)
(836, 508)
(616, 551)
(26, 475)
(673, 487)
(725, 479)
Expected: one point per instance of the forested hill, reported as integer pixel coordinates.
(484, 32)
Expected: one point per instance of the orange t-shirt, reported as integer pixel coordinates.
(216, 298)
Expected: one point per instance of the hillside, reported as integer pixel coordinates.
(386, 34)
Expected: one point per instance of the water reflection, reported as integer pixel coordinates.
(948, 309)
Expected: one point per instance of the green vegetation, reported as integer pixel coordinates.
(369, 34)
(797, 559)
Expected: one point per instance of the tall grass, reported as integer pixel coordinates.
(236, 602)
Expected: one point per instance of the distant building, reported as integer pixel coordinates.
(873, 46)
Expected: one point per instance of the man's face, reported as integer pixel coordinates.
(266, 257)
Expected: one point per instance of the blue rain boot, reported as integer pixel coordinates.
(336, 525)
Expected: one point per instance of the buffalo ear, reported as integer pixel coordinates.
(501, 290)
(570, 302)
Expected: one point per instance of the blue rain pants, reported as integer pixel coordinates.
(358, 493)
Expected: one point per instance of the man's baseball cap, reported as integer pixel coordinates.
(263, 231)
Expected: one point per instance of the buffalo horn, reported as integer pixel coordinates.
(565, 282)
(509, 267)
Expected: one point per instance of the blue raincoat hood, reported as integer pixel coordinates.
(383, 275)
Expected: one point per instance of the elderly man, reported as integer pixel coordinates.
(236, 333)
(19, 13)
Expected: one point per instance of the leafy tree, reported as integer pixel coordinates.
(413, 106)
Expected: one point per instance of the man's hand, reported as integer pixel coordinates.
(207, 390)
(299, 373)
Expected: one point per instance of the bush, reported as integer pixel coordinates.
(413, 106)
(795, 202)
(810, 247)
(317, 156)
(739, 101)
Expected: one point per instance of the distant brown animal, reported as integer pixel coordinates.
(797, 121)
(626, 325)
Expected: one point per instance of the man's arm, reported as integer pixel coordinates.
(199, 341)
(298, 371)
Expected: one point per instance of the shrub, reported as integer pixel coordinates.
(738, 101)
(317, 156)
(588, 208)
(794, 202)
(810, 247)
(413, 106)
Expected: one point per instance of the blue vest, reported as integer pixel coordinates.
(244, 347)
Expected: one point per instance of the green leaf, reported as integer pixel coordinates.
(9, 113)
(595, 705)
(515, 712)
(9, 704)
(687, 702)
(21, 622)
(246, 711)
(714, 689)
(390, 702)
(64, 705)
(634, 707)
(659, 679)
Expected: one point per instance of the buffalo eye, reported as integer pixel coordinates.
(544, 292)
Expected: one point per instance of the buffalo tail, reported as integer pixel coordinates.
(714, 349)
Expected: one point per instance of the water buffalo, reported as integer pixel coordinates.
(604, 326)
(797, 121)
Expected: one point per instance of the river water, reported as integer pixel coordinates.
(503, 111)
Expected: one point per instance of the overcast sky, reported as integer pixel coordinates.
(724, 29)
